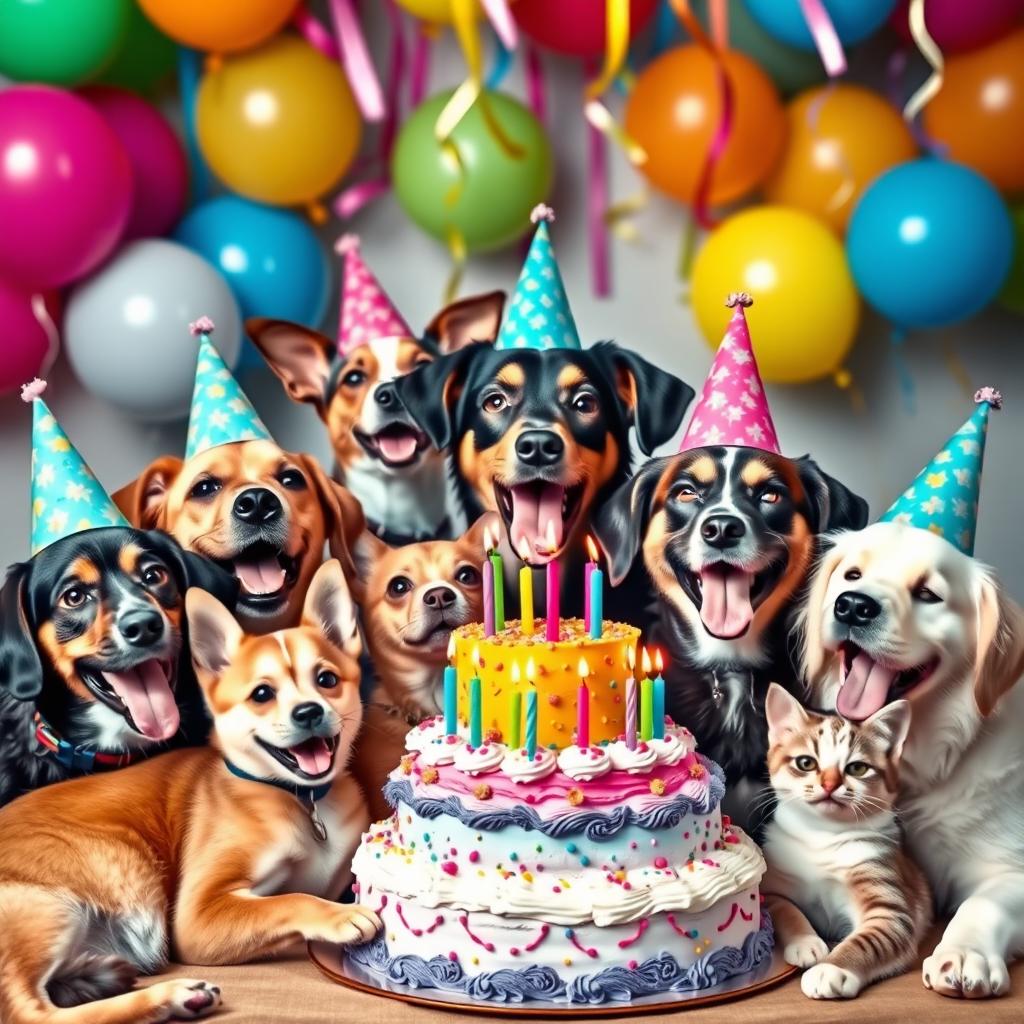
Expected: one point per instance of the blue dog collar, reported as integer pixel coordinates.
(310, 794)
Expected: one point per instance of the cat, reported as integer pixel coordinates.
(837, 867)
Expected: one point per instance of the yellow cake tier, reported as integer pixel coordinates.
(556, 678)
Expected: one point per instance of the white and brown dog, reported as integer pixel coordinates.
(896, 612)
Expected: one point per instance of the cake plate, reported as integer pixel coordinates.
(332, 961)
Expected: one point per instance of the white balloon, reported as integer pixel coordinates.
(126, 327)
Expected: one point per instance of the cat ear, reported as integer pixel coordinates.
(893, 722)
(784, 712)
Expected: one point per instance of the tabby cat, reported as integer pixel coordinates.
(837, 868)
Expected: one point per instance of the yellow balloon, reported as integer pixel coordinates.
(437, 11)
(806, 308)
(278, 124)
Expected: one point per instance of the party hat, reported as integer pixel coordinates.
(220, 414)
(539, 316)
(66, 497)
(732, 408)
(366, 312)
(944, 496)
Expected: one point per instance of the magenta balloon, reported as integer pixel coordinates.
(158, 159)
(26, 341)
(959, 25)
(65, 186)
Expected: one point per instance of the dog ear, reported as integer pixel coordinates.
(367, 552)
(214, 635)
(21, 669)
(343, 515)
(655, 399)
(299, 356)
(833, 505)
(194, 570)
(784, 713)
(430, 392)
(329, 608)
(813, 606)
(143, 502)
(999, 660)
(466, 322)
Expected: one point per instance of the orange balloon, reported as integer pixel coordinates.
(674, 111)
(979, 111)
(219, 26)
(841, 137)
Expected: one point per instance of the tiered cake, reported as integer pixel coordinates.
(527, 866)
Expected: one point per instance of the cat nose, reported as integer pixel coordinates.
(855, 609)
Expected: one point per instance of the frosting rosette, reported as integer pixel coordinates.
(520, 767)
(480, 760)
(642, 758)
(584, 764)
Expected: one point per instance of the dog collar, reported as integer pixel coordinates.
(78, 758)
(311, 794)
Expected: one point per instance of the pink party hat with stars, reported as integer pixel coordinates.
(732, 408)
(366, 312)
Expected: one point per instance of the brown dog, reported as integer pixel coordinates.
(262, 513)
(226, 854)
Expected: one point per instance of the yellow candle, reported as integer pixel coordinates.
(526, 599)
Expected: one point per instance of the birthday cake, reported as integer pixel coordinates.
(574, 852)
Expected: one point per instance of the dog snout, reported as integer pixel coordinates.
(142, 627)
(540, 447)
(439, 598)
(386, 396)
(257, 506)
(853, 608)
(308, 714)
(723, 531)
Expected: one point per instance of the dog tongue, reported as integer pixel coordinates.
(865, 688)
(147, 694)
(314, 756)
(725, 601)
(537, 517)
(265, 577)
(397, 447)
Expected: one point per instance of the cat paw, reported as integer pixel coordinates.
(965, 973)
(826, 981)
(805, 951)
(350, 924)
(188, 999)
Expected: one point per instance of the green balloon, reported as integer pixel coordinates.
(489, 201)
(1012, 295)
(61, 42)
(145, 58)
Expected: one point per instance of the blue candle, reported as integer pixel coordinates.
(451, 702)
(531, 723)
(476, 731)
(659, 698)
(596, 604)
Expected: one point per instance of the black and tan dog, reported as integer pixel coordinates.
(727, 536)
(94, 666)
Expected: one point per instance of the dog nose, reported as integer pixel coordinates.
(256, 506)
(540, 447)
(439, 597)
(141, 628)
(386, 396)
(723, 531)
(308, 714)
(856, 609)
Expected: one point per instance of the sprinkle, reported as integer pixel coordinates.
(483, 791)
(514, 951)
(696, 771)
(660, 862)
(658, 787)
(429, 775)
(527, 876)
(449, 867)
(492, 736)
(544, 929)
(632, 965)
(474, 856)
(406, 763)
(574, 796)
(585, 861)
(589, 950)
(570, 847)
(513, 856)
(642, 926)
(453, 956)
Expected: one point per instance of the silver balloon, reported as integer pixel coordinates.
(126, 327)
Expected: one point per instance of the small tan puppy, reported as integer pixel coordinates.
(220, 855)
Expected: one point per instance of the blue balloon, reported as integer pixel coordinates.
(853, 20)
(930, 242)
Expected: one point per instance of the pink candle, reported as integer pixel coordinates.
(631, 713)
(488, 573)
(553, 613)
(583, 707)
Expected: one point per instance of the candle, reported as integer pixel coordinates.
(588, 571)
(531, 723)
(498, 581)
(515, 710)
(451, 696)
(526, 591)
(553, 585)
(631, 701)
(596, 604)
(583, 707)
(646, 700)
(475, 716)
(659, 697)
(488, 574)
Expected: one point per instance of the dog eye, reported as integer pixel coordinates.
(262, 694)
(926, 596)
(585, 402)
(292, 479)
(205, 488)
(354, 378)
(685, 493)
(858, 769)
(326, 679)
(399, 586)
(495, 402)
(771, 497)
(468, 576)
(805, 763)
(852, 574)
(74, 597)
(154, 575)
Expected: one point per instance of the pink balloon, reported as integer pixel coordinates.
(575, 27)
(65, 186)
(27, 346)
(158, 159)
(959, 25)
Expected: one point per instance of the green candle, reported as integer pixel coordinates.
(515, 717)
(499, 591)
(646, 709)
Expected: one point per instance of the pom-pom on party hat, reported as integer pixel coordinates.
(66, 497)
(732, 408)
(539, 316)
(220, 414)
(366, 313)
(944, 496)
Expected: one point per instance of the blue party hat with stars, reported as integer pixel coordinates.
(221, 413)
(944, 496)
(66, 497)
(539, 316)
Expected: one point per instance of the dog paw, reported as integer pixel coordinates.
(805, 951)
(826, 981)
(965, 973)
(189, 999)
(351, 924)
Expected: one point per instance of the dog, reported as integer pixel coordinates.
(381, 455)
(94, 667)
(896, 612)
(222, 855)
(726, 536)
(261, 513)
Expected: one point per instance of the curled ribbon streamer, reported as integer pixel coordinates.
(457, 250)
(597, 203)
(501, 21)
(420, 74)
(931, 53)
(957, 370)
(502, 64)
(190, 68)
(355, 59)
(43, 318)
(464, 19)
(536, 91)
(847, 185)
(827, 41)
(315, 33)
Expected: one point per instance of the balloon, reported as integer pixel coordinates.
(144, 59)
(574, 27)
(65, 186)
(278, 124)
(159, 165)
(126, 328)
(841, 137)
(853, 20)
(1012, 295)
(930, 243)
(806, 308)
(978, 114)
(437, 12)
(490, 200)
(61, 42)
(957, 26)
(221, 26)
(674, 110)
(27, 346)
